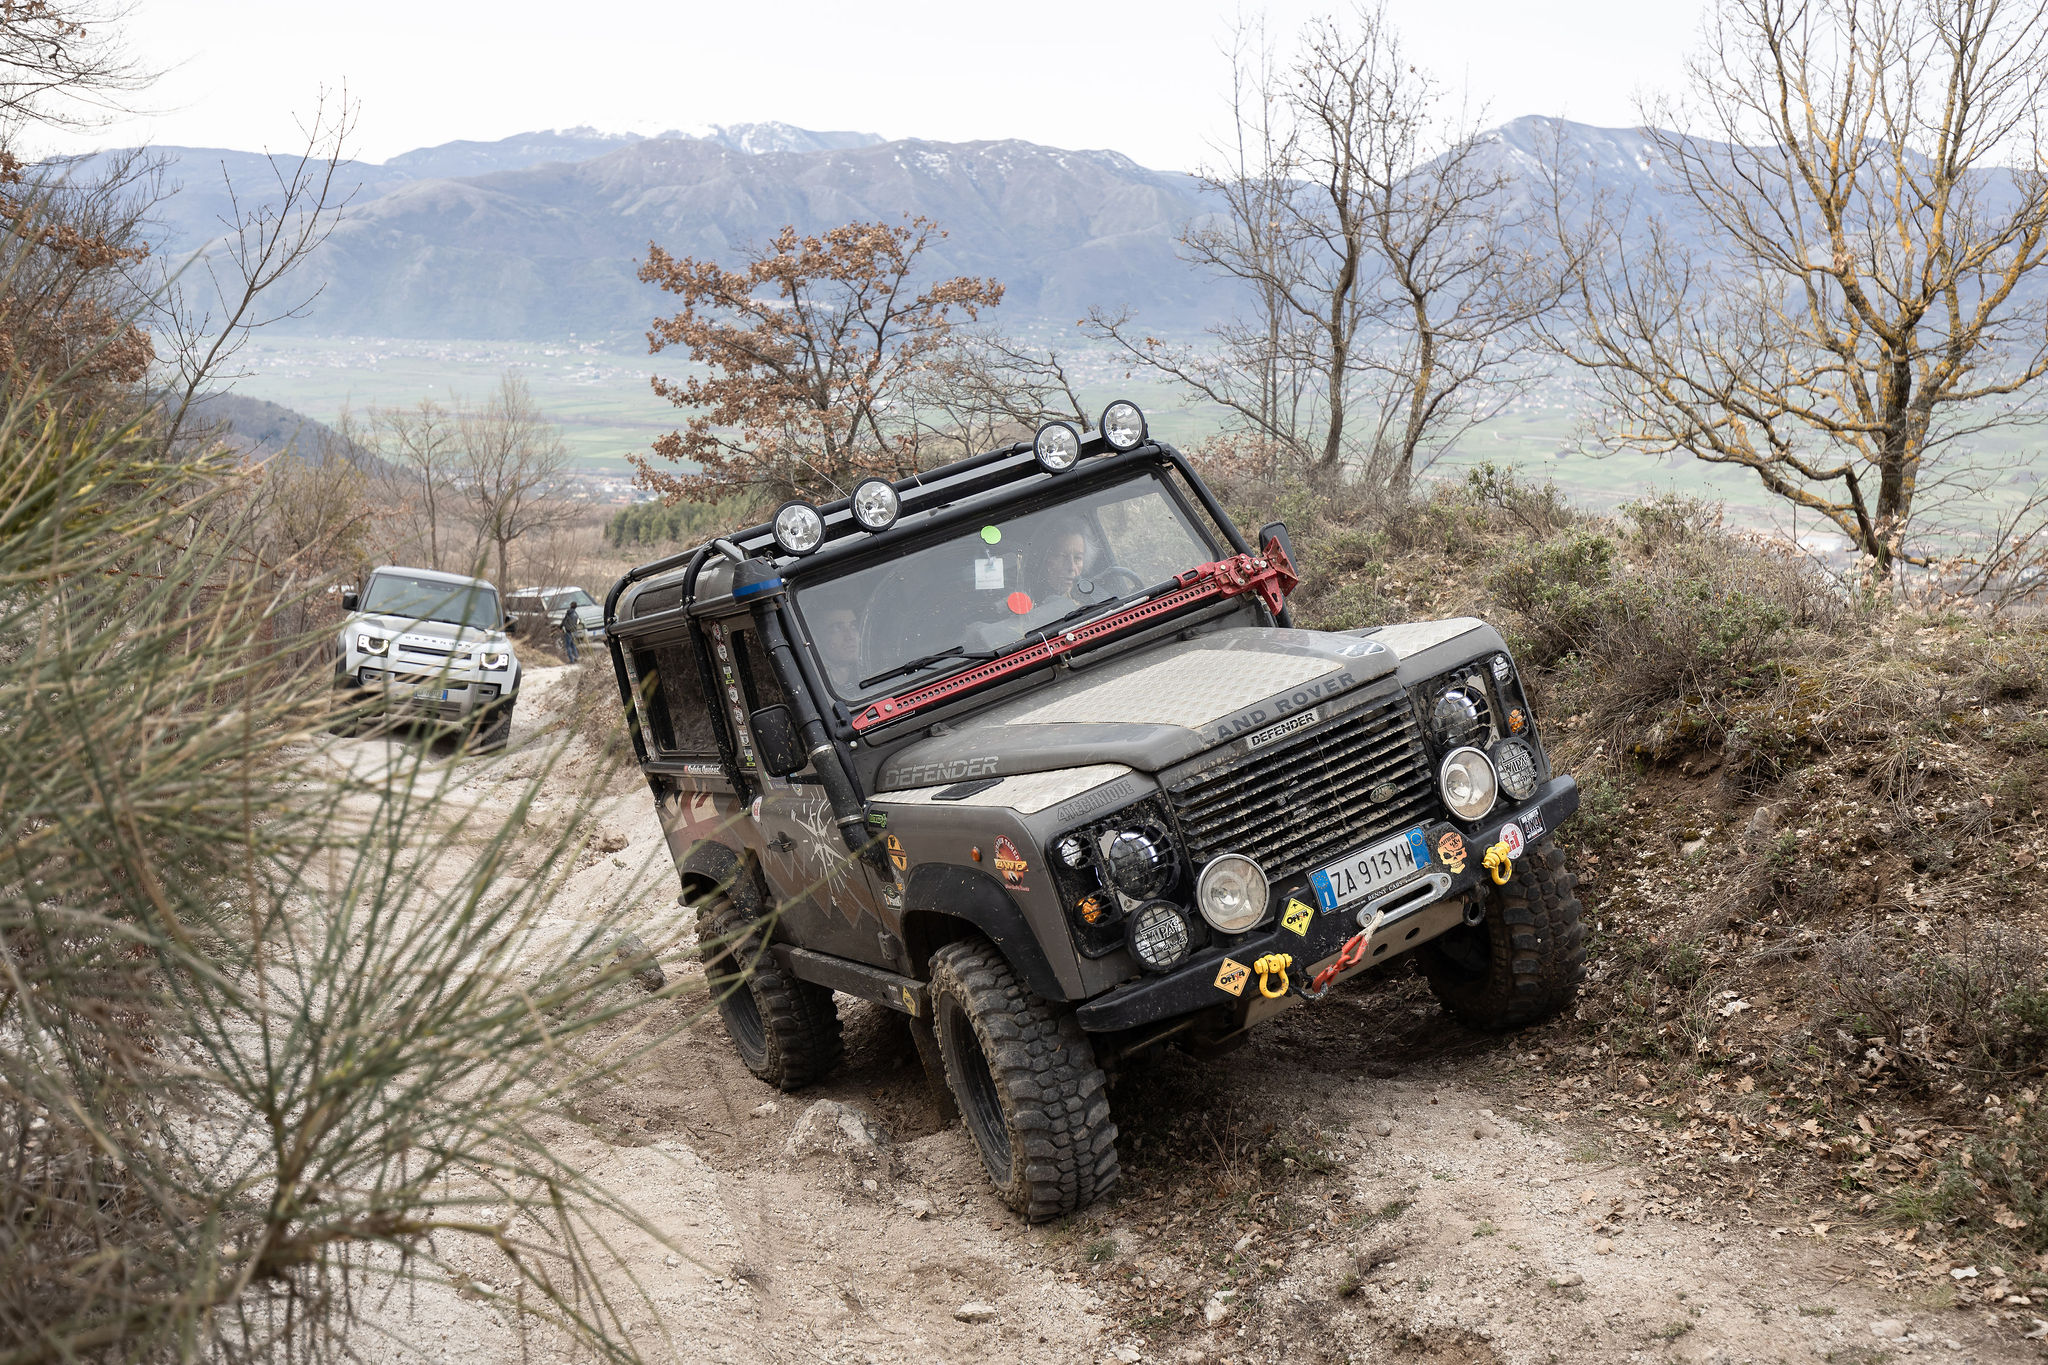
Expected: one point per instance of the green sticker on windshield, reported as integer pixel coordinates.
(992, 534)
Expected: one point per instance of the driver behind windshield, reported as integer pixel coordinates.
(837, 633)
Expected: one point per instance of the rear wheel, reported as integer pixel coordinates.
(786, 1030)
(1025, 1078)
(1525, 960)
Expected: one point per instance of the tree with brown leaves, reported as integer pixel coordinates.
(813, 344)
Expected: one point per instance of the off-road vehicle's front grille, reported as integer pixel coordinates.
(1301, 801)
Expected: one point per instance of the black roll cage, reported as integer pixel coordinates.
(938, 491)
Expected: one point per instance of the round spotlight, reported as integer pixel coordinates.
(1232, 893)
(1072, 851)
(1141, 863)
(1468, 783)
(1158, 937)
(1455, 718)
(1057, 446)
(799, 529)
(1517, 769)
(875, 504)
(1122, 425)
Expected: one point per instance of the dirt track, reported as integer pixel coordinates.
(1366, 1181)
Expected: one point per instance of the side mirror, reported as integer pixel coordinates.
(1276, 532)
(782, 753)
(511, 625)
(350, 602)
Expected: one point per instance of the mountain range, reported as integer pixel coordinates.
(540, 235)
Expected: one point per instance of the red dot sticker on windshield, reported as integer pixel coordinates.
(1019, 603)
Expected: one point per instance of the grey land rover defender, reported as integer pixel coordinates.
(1027, 748)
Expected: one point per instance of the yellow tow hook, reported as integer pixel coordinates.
(1500, 863)
(1273, 964)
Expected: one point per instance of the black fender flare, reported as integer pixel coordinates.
(939, 897)
(710, 867)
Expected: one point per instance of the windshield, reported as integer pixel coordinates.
(425, 599)
(575, 597)
(988, 586)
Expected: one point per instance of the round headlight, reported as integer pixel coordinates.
(1122, 425)
(1057, 446)
(1140, 862)
(1157, 936)
(371, 644)
(1468, 784)
(1517, 769)
(799, 529)
(1455, 718)
(875, 504)
(495, 659)
(1232, 893)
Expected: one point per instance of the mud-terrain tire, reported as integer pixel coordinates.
(785, 1030)
(1025, 1078)
(1525, 960)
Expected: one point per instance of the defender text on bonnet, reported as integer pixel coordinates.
(1028, 749)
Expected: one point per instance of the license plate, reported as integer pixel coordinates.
(1358, 875)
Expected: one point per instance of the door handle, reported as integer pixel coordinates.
(782, 843)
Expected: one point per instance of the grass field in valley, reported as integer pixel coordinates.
(598, 391)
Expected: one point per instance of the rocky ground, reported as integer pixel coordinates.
(1364, 1181)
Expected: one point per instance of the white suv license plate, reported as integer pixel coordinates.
(1358, 875)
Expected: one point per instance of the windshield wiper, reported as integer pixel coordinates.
(959, 652)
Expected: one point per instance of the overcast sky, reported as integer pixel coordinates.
(1145, 77)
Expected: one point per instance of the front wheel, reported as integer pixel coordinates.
(1025, 1078)
(1524, 961)
(493, 729)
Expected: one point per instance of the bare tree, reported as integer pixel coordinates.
(268, 234)
(1379, 247)
(509, 461)
(1865, 179)
(62, 63)
(987, 388)
(419, 453)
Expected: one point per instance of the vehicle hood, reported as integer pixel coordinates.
(434, 634)
(1149, 710)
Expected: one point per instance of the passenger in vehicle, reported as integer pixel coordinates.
(836, 632)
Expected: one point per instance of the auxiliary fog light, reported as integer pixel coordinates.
(1517, 769)
(1158, 936)
(1122, 425)
(799, 529)
(1232, 893)
(1468, 783)
(876, 504)
(1057, 446)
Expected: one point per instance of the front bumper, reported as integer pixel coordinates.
(408, 691)
(1194, 986)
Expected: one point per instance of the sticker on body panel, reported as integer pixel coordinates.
(1511, 835)
(1011, 863)
(1231, 976)
(1297, 917)
(1450, 850)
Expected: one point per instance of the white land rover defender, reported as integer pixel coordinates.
(421, 643)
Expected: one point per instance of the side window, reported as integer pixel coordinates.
(672, 699)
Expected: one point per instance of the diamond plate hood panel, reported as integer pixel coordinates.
(1152, 709)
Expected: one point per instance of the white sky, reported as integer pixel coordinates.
(1145, 77)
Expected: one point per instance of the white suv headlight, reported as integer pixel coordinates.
(372, 644)
(495, 659)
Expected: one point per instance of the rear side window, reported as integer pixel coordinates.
(672, 701)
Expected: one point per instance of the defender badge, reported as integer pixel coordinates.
(1231, 976)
